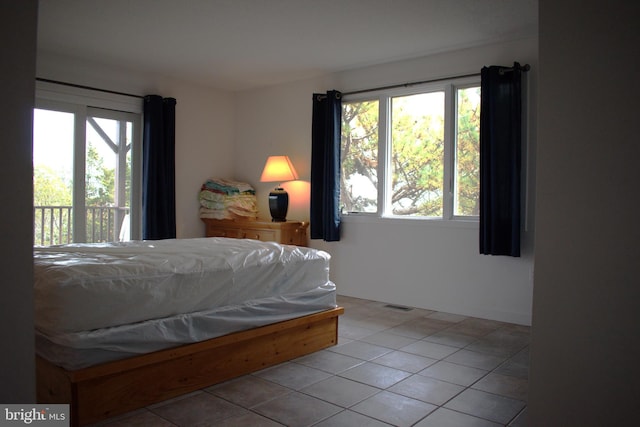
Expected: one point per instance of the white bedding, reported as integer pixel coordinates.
(83, 287)
(77, 350)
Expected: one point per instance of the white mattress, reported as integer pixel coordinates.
(77, 350)
(81, 287)
(102, 302)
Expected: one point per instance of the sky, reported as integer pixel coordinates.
(53, 140)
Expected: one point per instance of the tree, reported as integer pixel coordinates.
(52, 199)
(49, 188)
(359, 154)
(417, 155)
(468, 152)
(99, 181)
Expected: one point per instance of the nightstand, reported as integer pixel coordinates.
(288, 233)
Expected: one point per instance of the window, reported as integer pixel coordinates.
(86, 178)
(412, 153)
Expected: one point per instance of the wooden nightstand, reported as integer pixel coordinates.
(288, 233)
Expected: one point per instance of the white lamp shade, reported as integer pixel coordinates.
(278, 169)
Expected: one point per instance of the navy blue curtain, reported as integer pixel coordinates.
(158, 168)
(325, 166)
(500, 160)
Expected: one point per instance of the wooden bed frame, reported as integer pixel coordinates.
(103, 391)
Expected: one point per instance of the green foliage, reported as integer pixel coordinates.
(417, 155)
(467, 180)
(99, 181)
(52, 225)
(49, 188)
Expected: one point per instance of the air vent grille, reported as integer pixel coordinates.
(398, 307)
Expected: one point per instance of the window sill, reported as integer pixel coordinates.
(420, 222)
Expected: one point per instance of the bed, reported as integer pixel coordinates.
(122, 325)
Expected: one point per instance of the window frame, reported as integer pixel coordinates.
(84, 103)
(383, 170)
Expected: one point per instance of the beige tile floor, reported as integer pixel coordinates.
(391, 367)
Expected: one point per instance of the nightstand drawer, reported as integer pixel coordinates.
(264, 235)
(223, 232)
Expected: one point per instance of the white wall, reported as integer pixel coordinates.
(18, 31)
(431, 265)
(204, 125)
(586, 307)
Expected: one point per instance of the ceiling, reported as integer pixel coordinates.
(243, 44)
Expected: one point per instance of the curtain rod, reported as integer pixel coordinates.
(375, 89)
(88, 87)
(525, 67)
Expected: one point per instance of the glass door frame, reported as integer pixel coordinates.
(81, 112)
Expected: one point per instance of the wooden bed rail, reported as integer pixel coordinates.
(113, 388)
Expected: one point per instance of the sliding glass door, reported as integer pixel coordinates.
(85, 174)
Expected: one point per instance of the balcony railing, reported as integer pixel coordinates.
(53, 225)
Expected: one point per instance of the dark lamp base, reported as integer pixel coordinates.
(278, 205)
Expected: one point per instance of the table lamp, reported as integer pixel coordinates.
(278, 169)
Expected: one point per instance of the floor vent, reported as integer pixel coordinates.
(398, 307)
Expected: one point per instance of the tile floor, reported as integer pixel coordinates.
(391, 367)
